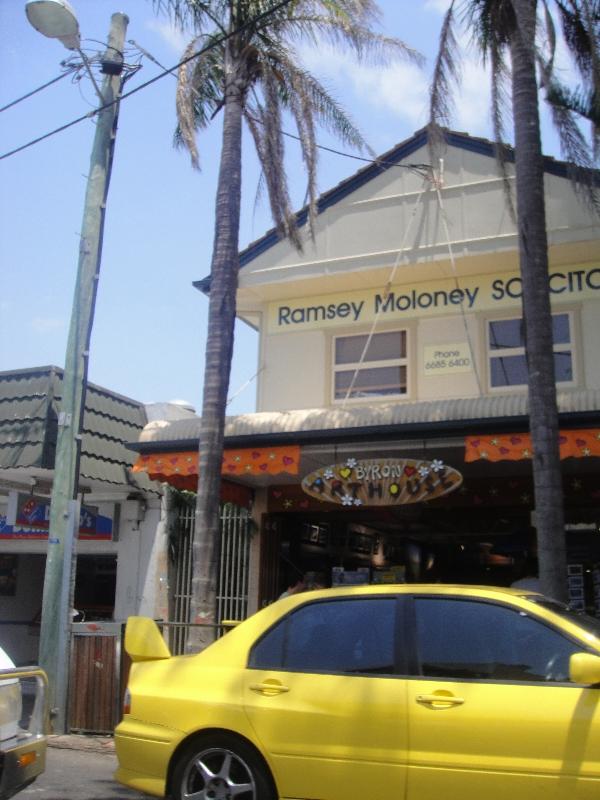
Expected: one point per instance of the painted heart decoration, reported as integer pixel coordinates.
(345, 472)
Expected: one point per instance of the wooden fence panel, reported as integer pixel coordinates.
(94, 681)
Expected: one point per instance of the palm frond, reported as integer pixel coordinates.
(368, 45)
(273, 162)
(184, 103)
(194, 15)
(199, 94)
(500, 107)
(273, 81)
(446, 71)
(575, 149)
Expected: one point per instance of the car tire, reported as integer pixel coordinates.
(216, 766)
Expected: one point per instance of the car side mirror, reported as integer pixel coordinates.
(143, 640)
(584, 668)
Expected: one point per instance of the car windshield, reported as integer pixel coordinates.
(590, 624)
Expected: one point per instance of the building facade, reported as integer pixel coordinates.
(121, 551)
(391, 439)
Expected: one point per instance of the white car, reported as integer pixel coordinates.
(22, 733)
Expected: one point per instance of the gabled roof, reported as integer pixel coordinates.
(386, 161)
(30, 401)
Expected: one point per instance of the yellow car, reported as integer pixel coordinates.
(372, 693)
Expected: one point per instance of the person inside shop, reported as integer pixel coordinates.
(296, 585)
(315, 580)
(529, 575)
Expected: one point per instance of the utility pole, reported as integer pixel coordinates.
(64, 507)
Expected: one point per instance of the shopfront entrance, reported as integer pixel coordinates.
(481, 533)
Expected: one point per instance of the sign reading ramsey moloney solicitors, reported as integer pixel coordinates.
(472, 293)
(386, 482)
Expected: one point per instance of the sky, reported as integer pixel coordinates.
(149, 329)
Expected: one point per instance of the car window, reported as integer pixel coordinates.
(589, 624)
(478, 640)
(347, 636)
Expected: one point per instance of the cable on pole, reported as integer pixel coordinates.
(95, 112)
(39, 89)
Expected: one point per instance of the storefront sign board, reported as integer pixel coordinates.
(472, 293)
(385, 482)
(29, 518)
(447, 359)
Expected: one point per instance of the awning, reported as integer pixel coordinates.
(180, 469)
(517, 446)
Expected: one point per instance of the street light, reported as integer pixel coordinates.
(56, 19)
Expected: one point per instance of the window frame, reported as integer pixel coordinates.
(403, 361)
(569, 347)
(413, 645)
(401, 648)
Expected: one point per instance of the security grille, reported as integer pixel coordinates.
(232, 590)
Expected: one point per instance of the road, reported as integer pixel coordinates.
(79, 775)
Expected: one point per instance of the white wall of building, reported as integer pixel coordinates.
(140, 548)
(397, 230)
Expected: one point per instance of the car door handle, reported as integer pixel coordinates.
(439, 700)
(269, 688)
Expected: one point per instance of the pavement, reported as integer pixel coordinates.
(83, 742)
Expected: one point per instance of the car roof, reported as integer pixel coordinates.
(415, 588)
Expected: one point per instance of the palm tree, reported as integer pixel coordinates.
(248, 69)
(507, 33)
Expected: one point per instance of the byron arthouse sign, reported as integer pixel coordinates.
(382, 482)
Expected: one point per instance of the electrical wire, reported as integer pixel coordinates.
(95, 112)
(39, 89)
(419, 168)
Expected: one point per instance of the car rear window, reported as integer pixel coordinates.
(348, 636)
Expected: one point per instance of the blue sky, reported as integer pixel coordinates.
(149, 330)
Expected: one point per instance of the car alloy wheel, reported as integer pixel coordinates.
(220, 768)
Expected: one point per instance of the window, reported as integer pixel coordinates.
(508, 364)
(484, 641)
(383, 371)
(347, 636)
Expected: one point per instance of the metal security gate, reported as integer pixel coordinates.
(232, 589)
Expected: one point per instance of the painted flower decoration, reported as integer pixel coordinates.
(437, 465)
(347, 500)
(328, 474)
(423, 471)
(351, 462)
(357, 501)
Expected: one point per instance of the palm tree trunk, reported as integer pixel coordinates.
(533, 253)
(219, 348)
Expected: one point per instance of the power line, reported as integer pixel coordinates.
(149, 82)
(419, 168)
(39, 89)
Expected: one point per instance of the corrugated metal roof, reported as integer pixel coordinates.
(434, 413)
(29, 408)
